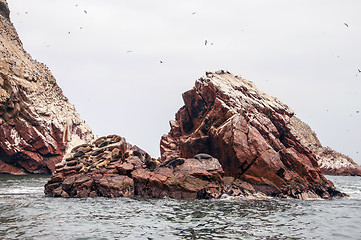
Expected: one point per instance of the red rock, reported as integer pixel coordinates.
(249, 132)
(37, 124)
(128, 177)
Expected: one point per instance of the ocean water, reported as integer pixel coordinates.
(25, 213)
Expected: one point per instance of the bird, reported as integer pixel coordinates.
(359, 70)
(357, 111)
(346, 24)
(81, 27)
(129, 51)
(68, 32)
(205, 42)
(161, 61)
(194, 13)
(85, 11)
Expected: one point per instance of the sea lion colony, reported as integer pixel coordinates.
(111, 167)
(101, 153)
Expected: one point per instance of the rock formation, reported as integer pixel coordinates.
(37, 123)
(250, 133)
(229, 138)
(111, 167)
(330, 161)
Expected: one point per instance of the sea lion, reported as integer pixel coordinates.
(116, 154)
(200, 156)
(116, 139)
(103, 163)
(85, 149)
(75, 149)
(128, 154)
(103, 144)
(78, 154)
(85, 157)
(98, 157)
(139, 155)
(97, 152)
(151, 163)
(72, 163)
(173, 162)
(84, 169)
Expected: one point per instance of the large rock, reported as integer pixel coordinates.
(330, 161)
(111, 167)
(250, 134)
(37, 123)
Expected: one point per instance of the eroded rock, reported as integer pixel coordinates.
(330, 161)
(37, 123)
(251, 135)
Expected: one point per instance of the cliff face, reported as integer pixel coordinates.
(250, 133)
(330, 161)
(37, 123)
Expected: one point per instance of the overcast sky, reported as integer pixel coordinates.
(106, 57)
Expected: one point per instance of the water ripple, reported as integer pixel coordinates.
(25, 213)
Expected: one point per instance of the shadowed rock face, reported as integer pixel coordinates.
(37, 123)
(110, 167)
(330, 161)
(250, 134)
(4, 9)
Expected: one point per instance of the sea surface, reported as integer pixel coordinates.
(25, 213)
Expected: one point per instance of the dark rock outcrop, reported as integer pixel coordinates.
(250, 134)
(110, 167)
(37, 123)
(330, 161)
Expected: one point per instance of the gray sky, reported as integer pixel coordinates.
(299, 51)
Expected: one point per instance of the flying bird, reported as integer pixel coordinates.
(194, 13)
(359, 70)
(85, 11)
(205, 42)
(346, 24)
(161, 61)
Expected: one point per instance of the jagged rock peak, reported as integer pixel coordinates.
(37, 122)
(250, 133)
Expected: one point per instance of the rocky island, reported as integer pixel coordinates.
(228, 138)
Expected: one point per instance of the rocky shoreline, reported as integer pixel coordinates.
(111, 167)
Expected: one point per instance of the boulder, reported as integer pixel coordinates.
(251, 135)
